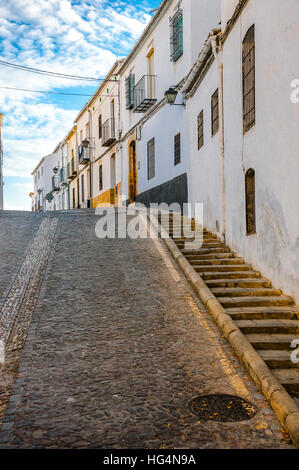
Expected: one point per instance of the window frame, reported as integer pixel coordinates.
(176, 35)
(200, 130)
(215, 118)
(151, 167)
(177, 149)
(250, 202)
(248, 79)
(82, 188)
(100, 123)
(101, 177)
(129, 91)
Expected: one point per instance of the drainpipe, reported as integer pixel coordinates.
(221, 113)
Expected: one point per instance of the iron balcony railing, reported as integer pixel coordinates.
(71, 169)
(83, 154)
(109, 132)
(55, 183)
(62, 176)
(145, 94)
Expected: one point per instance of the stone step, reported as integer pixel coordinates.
(289, 378)
(212, 243)
(278, 359)
(210, 255)
(260, 315)
(240, 283)
(245, 292)
(191, 239)
(217, 261)
(185, 231)
(229, 275)
(268, 326)
(229, 302)
(204, 251)
(252, 313)
(275, 341)
(222, 268)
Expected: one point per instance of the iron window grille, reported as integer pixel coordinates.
(176, 35)
(130, 84)
(55, 183)
(215, 112)
(151, 159)
(248, 59)
(250, 202)
(100, 126)
(100, 178)
(200, 130)
(177, 149)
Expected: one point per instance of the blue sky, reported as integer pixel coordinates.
(74, 37)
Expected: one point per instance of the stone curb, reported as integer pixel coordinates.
(282, 404)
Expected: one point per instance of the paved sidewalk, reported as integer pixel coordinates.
(117, 347)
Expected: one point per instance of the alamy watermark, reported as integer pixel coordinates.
(295, 354)
(295, 92)
(159, 220)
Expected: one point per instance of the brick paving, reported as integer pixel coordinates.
(117, 346)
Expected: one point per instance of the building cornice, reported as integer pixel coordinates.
(231, 23)
(146, 33)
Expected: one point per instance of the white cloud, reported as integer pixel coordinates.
(68, 37)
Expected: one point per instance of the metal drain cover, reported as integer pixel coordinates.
(223, 408)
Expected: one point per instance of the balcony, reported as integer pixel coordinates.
(71, 169)
(83, 154)
(62, 176)
(144, 94)
(108, 133)
(55, 183)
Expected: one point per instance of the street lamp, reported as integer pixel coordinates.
(171, 95)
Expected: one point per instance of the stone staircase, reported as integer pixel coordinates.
(269, 319)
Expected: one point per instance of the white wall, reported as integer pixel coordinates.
(205, 169)
(270, 147)
(199, 18)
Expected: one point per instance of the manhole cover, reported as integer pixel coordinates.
(222, 408)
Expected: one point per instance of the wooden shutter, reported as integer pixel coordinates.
(248, 56)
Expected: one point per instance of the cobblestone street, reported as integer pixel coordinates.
(117, 347)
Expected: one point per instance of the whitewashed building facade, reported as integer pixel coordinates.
(230, 141)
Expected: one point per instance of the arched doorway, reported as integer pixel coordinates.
(132, 172)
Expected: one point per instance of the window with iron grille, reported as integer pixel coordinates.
(200, 130)
(215, 112)
(100, 178)
(177, 149)
(151, 159)
(130, 84)
(250, 201)
(100, 126)
(248, 57)
(82, 187)
(176, 35)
